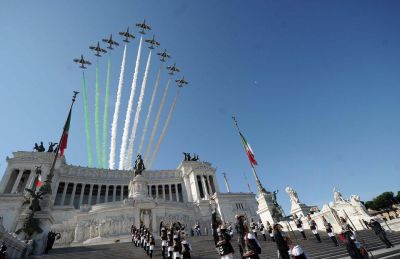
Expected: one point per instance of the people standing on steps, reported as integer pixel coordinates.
(164, 244)
(329, 231)
(263, 231)
(299, 225)
(253, 247)
(313, 227)
(282, 242)
(348, 238)
(380, 232)
(270, 231)
(186, 248)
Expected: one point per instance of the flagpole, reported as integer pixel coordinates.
(260, 188)
(47, 184)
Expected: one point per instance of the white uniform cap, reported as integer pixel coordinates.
(297, 250)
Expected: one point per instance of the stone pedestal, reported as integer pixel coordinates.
(138, 188)
(267, 210)
(300, 209)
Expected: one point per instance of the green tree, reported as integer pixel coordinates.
(384, 201)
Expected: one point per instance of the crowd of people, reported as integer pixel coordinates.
(174, 244)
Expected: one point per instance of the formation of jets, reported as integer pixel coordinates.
(143, 26)
(111, 42)
(173, 69)
(82, 62)
(153, 43)
(98, 49)
(127, 35)
(164, 55)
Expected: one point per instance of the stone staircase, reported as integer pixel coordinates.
(203, 247)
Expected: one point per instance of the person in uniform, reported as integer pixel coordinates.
(270, 231)
(348, 238)
(297, 252)
(313, 227)
(163, 236)
(186, 248)
(380, 232)
(282, 242)
(170, 243)
(223, 243)
(263, 231)
(299, 225)
(177, 247)
(253, 247)
(152, 243)
(329, 230)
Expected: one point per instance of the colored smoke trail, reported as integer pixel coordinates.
(129, 110)
(97, 117)
(114, 127)
(86, 115)
(128, 158)
(105, 115)
(154, 129)
(164, 130)
(146, 123)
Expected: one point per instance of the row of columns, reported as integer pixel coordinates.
(90, 193)
(28, 184)
(206, 186)
(163, 191)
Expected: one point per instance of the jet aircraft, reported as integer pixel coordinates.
(181, 82)
(111, 42)
(173, 69)
(127, 35)
(153, 42)
(82, 61)
(164, 55)
(97, 49)
(143, 26)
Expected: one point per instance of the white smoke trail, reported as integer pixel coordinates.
(114, 126)
(129, 110)
(128, 158)
(154, 129)
(160, 139)
(146, 123)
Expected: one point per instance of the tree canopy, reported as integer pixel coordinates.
(383, 201)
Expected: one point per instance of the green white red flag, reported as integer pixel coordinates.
(64, 137)
(249, 151)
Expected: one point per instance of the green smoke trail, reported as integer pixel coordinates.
(105, 116)
(87, 128)
(97, 117)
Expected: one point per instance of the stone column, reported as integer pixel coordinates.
(170, 192)
(176, 192)
(163, 191)
(208, 185)
(106, 198)
(71, 202)
(114, 193)
(90, 195)
(81, 197)
(64, 193)
(98, 194)
(31, 178)
(122, 193)
(157, 191)
(204, 187)
(14, 189)
(187, 189)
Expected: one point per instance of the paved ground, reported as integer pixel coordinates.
(203, 248)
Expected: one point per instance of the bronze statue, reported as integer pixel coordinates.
(51, 147)
(139, 165)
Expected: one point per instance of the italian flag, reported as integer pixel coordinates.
(64, 137)
(249, 151)
(39, 181)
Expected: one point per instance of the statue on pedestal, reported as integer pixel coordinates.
(337, 196)
(293, 195)
(139, 165)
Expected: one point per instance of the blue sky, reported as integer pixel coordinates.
(314, 86)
